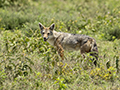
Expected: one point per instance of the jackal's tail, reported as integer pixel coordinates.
(94, 50)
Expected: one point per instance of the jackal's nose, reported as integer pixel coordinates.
(45, 39)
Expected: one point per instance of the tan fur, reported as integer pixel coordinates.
(66, 41)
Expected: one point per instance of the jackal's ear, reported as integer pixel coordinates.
(41, 26)
(52, 26)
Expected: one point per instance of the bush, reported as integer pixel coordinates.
(3, 76)
(4, 3)
(27, 62)
(114, 33)
(10, 20)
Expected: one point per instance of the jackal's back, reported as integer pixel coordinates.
(73, 41)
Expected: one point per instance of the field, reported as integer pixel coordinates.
(29, 63)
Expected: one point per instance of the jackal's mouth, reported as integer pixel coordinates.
(45, 39)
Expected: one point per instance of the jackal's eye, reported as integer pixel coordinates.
(43, 33)
(48, 33)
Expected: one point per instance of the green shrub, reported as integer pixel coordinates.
(4, 3)
(2, 77)
(27, 62)
(10, 20)
(114, 33)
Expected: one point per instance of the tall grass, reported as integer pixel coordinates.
(27, 62)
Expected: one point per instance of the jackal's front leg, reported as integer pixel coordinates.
(60, 51)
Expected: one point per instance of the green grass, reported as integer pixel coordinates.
(29, 63)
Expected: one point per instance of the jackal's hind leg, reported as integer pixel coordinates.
(82, 53)
(95, 55)
(91, 54)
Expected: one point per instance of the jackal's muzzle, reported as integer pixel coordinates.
(45, 39)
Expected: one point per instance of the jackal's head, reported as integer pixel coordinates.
(47, 32)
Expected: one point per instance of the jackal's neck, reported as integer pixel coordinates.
(52, 39)
(56, 34)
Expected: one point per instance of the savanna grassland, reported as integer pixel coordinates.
(29, 63)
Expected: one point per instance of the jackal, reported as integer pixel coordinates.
(66, 41)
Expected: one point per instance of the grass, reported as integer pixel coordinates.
(27, 62)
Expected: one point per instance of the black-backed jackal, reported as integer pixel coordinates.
(69, 41)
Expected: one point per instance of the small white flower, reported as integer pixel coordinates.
(80, 31)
